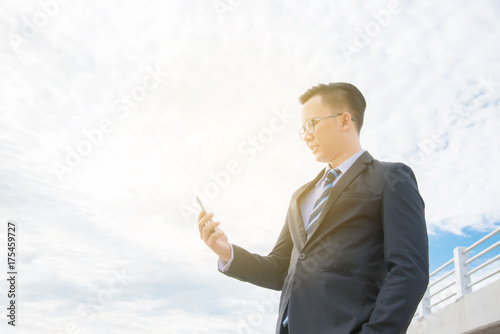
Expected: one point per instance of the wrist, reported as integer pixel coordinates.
(226, 256)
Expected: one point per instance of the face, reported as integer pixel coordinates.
(326, 142)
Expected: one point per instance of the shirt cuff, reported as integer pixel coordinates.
(223, 265)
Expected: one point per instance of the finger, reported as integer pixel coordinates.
(200, 218)
(201, 214)
(214, 236)
(209, 229)
(203, 221)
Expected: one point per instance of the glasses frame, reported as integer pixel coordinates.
(303, 130)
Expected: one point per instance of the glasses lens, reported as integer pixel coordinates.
(310, 127)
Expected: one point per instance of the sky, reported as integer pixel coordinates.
(116, 114)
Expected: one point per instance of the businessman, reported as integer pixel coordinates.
(352, 256)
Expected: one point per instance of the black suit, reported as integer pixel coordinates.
(364, 268)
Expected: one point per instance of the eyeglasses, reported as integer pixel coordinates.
(310, 125)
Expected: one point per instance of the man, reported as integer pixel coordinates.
(352, 256)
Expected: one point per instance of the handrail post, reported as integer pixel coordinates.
(424, 304)
(461, 269)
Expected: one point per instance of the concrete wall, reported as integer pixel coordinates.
(478, 312)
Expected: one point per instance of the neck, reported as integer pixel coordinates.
(346, 154)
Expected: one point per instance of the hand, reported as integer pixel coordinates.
(215, 238)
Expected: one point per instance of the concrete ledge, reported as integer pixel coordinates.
(490, 329)
(478, 312)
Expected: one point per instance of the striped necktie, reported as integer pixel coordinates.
(320, 203)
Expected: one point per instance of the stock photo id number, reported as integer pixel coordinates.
(12, 273)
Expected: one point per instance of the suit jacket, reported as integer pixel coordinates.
(365, 266)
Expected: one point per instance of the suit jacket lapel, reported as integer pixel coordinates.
(358, 166)
(299, 222)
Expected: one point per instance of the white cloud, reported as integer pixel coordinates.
(120, 207)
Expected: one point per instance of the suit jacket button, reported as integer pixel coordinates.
(302, 256)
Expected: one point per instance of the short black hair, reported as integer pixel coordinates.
(340, 94)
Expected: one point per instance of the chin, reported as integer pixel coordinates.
(322, 159)
(319, 158)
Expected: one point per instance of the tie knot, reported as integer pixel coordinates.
(332, 175)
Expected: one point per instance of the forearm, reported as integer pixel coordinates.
(265, 271)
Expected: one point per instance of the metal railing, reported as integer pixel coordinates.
(450, 284)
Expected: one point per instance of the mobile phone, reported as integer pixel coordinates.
(203, 208)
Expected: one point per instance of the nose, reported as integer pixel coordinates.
(308, 137)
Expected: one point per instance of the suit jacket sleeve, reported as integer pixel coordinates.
(405, 251)
(265, 271)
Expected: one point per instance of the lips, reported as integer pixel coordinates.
(313, 148)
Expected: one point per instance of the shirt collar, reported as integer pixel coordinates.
(343, 167)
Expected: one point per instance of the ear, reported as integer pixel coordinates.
(346, 121)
